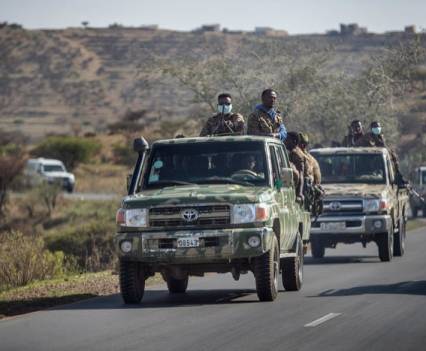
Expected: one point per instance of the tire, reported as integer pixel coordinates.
(177, 286)
(399, 239)
(317, 248)
(385, 244)
(424, 211)
(132, 282)
(414, 211)
(70, 188)
(266, 271)
(292, 269)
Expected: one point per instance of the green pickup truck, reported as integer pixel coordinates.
(211, 204)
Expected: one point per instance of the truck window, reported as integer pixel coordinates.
(276, 174)
(281, 156)
(352, 168)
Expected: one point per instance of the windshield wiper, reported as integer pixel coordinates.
(223, 180)
(170, 182)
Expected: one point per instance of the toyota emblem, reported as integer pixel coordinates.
(335, 206)
(189, 214)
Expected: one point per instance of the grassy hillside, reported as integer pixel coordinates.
(51, 80)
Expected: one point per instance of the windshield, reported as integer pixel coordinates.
(53, 168)
(423, 177)
(211, 162)
(352, 168)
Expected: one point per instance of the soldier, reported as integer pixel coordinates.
(224, 122)
(372, 138)
(376, 138)
(266, 119)
(356, 132)
(298, 159)
(313, 168)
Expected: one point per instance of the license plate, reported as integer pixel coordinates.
(188, 242)
(333, 226)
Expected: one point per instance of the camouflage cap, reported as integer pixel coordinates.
(304, 139)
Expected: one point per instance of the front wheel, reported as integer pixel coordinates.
(399, 239)
(292, 269)
(132, 281)
(177, 286)
(385, 244)
(266, 271)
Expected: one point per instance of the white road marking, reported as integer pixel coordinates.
(321, 320)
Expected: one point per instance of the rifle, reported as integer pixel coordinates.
(414, 193)
(313, 195)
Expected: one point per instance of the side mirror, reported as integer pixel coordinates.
(140, 145)
(287, 177)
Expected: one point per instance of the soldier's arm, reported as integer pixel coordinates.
(317, 172)
(239, 123)
(282, 132)
(207, 129)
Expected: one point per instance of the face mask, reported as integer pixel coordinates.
(225, 109)
(376, 130)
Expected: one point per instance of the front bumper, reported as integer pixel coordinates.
(215, 245)
(356, 225)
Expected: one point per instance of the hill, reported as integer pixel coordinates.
(80, 80)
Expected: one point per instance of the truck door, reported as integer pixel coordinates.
(283, 194)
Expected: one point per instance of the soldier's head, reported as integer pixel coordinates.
(303, 140)
(292, 140)
(376, 128)
(224, 103)
(356, 127)
(269, 98)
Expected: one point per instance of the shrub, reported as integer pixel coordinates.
(24, 259)
(124, 154)
(91, 245)
(70, 150)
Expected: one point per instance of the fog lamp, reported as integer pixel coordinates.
(377, 224)
(126, 246)
(254, 241)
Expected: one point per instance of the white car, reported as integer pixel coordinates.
(38, 170)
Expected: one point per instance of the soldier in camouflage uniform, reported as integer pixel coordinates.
(313, 168)
(266, 119)
(376, 138)
(224, 122)
(356, 132)
(298, 159)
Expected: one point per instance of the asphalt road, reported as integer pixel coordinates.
(350, 301)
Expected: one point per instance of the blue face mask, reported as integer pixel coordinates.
(225, 109)
(376, 130)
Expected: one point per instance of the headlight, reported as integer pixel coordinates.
(249, 213)
(375, 205)
(371, 205)
(136, 217)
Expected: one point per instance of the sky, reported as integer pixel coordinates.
(297, 17)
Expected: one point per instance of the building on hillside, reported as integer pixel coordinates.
(263, 30)
(410, 29)
(352, 29)
(270, 32)
(208, 28)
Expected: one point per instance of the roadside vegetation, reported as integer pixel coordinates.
(54, 250)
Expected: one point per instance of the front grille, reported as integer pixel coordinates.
(342, 206)
(208, 215)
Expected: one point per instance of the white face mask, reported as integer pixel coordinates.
(225, 109)
(376, 130)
